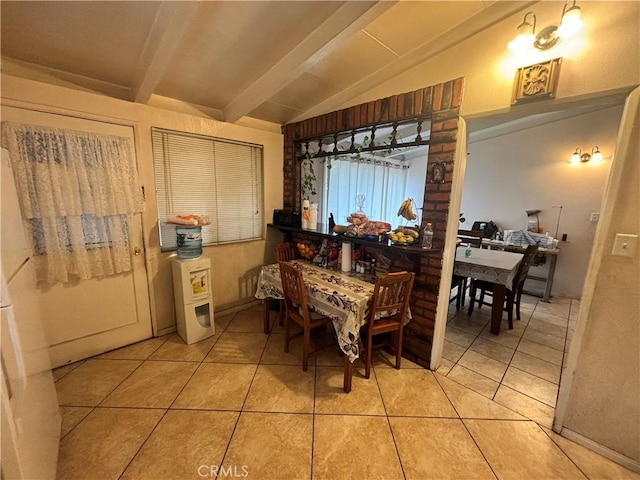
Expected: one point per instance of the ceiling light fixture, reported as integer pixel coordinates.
(550, 35)
(579, 157)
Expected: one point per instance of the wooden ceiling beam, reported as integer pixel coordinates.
(171, 23)
(490, 16)
(341, 25)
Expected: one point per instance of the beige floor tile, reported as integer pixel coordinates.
(559, 311)
(247, 321)
(217, 386)
(470, 404)
(274, 353)
(413, 392)
(92, 381)
(521, 450)
(483, 365)
(383, 359)
(549, 323)
(437, 448)
(532, 386)
(271, 446)
(542, 352)
(281, 388)
(472, 325)
(459, 337)
(546, 327)
(525, 406)
(331, 357)
(154, 384)
(354, 447)
(221, 322)
(238, 348)
(507, 338)
(105, 442)
(72, 416)
(537, 367)
(452, 352)
(547, 339)
(136, 351)
(175, 349)
(476, 382)
(445, 367)
(60, 372)
(592, 465)
(364, 398)
(181, 444)
(493, 350)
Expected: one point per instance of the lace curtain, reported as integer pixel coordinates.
(77, 192)
(382, 182)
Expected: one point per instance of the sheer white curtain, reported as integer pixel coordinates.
(382, 183)
(77, 193)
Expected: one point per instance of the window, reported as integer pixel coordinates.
(202, 175)
(380, 185)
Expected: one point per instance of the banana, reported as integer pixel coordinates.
(403, 207)
(406, 210)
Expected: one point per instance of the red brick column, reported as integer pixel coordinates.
(441, 103)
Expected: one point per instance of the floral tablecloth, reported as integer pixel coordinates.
(343, 297)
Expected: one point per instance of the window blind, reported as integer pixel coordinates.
(202, 175)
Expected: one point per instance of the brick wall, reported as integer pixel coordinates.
(441, 103)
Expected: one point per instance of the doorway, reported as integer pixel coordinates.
(516, 163)
(92, 316)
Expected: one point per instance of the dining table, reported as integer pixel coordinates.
(345, 297)
(495, 266)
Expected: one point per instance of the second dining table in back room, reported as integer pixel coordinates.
(495, 266)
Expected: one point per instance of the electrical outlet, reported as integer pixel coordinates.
(625, 245)
(595, 216)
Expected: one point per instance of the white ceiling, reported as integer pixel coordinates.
(270, 60)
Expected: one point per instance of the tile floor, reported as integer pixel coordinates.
(519, 368)
(237, 405)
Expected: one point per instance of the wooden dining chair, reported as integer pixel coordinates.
(283, 253)
(472, 237)
(514, 292)
(297, 310)
(459, 283)
(389, 306)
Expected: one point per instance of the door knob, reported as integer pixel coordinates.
(137, 251)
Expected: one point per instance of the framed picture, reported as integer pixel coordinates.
(536, 82)
(437, 172)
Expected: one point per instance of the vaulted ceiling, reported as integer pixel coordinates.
(270, 60)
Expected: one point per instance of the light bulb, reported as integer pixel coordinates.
(575, 158)
(525, 35)
(596, 156)
(571, 22)
(521, 43)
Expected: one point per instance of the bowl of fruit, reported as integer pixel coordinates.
(404, 236)
(307, 250)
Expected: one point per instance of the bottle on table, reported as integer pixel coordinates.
(427, 236)
(467, 252)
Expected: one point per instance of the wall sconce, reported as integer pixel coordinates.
(549, 36)
(578, 156)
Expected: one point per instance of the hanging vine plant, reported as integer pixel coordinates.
(308, 185)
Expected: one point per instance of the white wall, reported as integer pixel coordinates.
(235, 266)
(604, 56)
(602, 378)
(529, 170)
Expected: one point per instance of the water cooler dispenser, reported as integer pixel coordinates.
(192, 294)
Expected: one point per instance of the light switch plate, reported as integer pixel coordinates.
(595, 216)
(625, 245)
